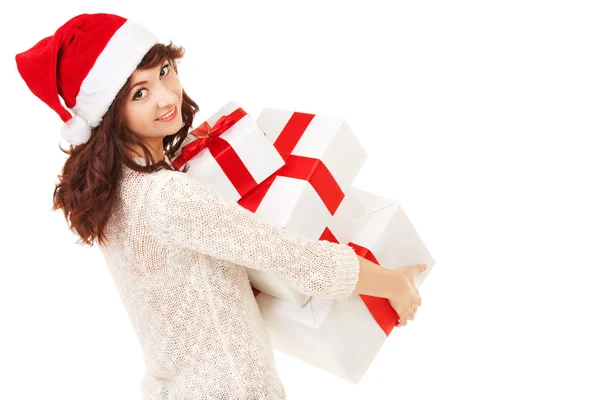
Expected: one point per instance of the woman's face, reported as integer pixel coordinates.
(156, 92)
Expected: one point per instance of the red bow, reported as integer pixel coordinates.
(204, 132)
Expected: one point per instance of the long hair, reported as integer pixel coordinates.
(87, 186)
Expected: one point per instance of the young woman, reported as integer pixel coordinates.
(175, 247)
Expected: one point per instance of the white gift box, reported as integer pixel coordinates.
(248, 141)
(341, 225)
(342, 336)
(294, 203)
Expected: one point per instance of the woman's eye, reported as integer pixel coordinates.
(136, 97)
(166, 66)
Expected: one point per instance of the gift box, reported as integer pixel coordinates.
(230, 152)
(322, 158)
(344, 336)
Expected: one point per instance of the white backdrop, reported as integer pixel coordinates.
(480, 118)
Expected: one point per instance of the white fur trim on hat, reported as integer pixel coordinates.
(76, 131)
(114, 65)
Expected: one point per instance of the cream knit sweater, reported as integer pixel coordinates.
(177, 251)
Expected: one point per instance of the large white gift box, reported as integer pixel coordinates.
(308, 194)
(344, 336)
(234, 158)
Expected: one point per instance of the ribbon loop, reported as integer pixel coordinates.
(204, 133)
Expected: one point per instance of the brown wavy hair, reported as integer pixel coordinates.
(87, 185)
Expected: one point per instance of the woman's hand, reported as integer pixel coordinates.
(407, 300)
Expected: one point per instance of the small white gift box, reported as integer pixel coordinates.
(235, 157)
(344, 336)
(322, 158)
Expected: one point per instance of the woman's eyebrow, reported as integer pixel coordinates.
(138, 84)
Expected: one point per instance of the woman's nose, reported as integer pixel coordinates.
(166, 97)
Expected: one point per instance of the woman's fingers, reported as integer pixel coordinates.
(411, 312)
(410, 315)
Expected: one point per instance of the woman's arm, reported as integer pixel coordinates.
(375, 280)
(185, 213)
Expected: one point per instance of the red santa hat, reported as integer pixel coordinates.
(87, 61)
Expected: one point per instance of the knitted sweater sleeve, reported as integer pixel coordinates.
(187, 213)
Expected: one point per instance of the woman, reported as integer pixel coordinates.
(175, 247)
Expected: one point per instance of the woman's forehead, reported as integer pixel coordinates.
(141, 75)
(139, 72)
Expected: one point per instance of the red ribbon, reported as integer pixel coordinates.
(380, 308)
(291, 133)
(221, 150)
(311, 170)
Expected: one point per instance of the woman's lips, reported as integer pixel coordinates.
(169, 118)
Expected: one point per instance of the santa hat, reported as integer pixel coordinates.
(87, 61)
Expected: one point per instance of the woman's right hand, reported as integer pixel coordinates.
(407, 300)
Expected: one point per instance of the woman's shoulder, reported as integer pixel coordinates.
(158, 178)
(165, 184)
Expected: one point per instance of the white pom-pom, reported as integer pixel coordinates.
(76, 131)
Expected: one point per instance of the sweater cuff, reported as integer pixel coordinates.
(346, 269)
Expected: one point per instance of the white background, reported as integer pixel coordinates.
(479, 117)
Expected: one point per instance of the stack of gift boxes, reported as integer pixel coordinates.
(297, 170)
